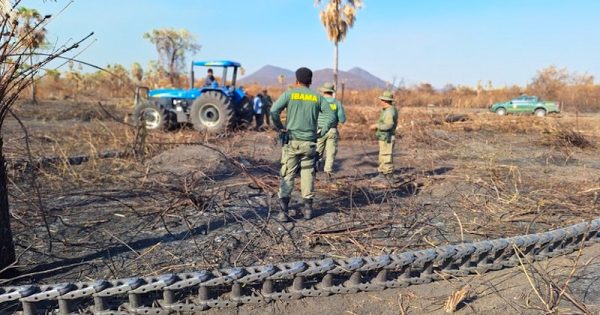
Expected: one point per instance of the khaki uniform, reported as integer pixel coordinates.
(386, 130)
(327, 144)
(303, 107)
(328, 121)
(298, 154)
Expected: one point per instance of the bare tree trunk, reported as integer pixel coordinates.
(7, 247)
(33, 98)
(336, 54)
(33, 91)
(172, 70)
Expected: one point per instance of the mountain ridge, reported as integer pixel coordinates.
(355, 78)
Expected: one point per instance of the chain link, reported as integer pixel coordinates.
(15, 293)
(71, 160)
(197, 291)
(83, 289)
(118, 287)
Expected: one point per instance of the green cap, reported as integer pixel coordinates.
(387, 96)
(327, 87)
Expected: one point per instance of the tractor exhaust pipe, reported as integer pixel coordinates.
(192, 76)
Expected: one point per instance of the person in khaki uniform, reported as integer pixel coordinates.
(385, 132)
(299, 150)
(330, 116)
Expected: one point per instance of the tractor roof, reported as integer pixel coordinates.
(219, 63)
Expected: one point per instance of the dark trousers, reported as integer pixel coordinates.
(266, 111)
(259, 120)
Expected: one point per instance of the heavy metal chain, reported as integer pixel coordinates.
(197, 291)
(70, 160)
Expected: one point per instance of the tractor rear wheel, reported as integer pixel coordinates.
(153, 116)
(213, 112)
(245, 112)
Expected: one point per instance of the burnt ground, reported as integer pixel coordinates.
(196, 202)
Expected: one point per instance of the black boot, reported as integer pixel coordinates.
(308, 209)
(386, 178)
(292, 213)
(283, 214)
(379, 177)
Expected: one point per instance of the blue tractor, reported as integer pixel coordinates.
(211, 108)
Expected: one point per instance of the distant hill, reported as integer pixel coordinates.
(355, 78)
(268, 76)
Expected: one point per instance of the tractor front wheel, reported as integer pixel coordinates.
(153, 116)
(213, 112)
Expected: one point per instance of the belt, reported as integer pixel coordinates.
(296, 139)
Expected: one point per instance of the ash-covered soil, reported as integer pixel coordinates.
(210, 203)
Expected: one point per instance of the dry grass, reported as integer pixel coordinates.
(559, 136)
(423, 125)
(456, 298)
(576, 93)
(491, 197)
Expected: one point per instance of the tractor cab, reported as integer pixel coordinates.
(211, 65)
(225, 86)
(209, 105)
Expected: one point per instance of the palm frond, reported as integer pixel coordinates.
(338, 17)
(6, 9)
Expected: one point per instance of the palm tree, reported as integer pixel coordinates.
(5, 8)
(137, 72)
(338, 16)
(32, 35)
(281, 80)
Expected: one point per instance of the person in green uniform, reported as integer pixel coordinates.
(302, 106)
(331, 115)
(385, 132)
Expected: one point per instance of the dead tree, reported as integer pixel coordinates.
(15, 76)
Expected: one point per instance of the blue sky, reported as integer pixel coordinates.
(436, 41)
